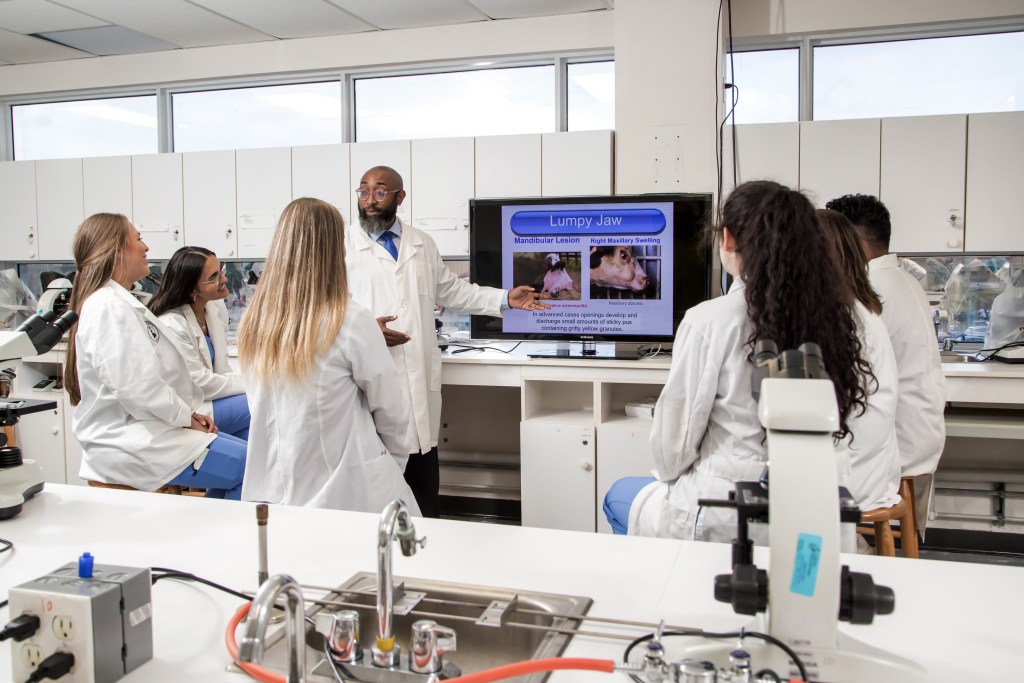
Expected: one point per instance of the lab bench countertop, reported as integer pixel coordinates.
(957, 620)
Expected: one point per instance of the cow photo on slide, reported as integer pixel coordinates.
(555, 273)
(619, 271)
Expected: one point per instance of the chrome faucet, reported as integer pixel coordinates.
(385, 652)
(252, 646)
(949, 344)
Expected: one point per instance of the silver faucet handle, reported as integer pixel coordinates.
(429, 641)
(341, 629)
(408, 542)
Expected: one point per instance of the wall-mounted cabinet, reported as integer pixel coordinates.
(322, 171)
(59, 205)
(264, 189)
(442, 170)
(508, 166)
(995, 176)
(208, 188)
(765, 151)
(157, 202)
(839, 157)
(18, 219)
(576, 164)
(107, 185)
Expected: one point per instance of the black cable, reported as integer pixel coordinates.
(696, 632)
(735, 99)
(467, 347)
(165, 573)
(768, 672)
(7, 545)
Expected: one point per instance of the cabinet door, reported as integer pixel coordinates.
(557, 470)
(622, 451)
(839, 157)
(922, 181)
(59, 204)
(508, 166)
(264, 178)
(995, 176)
(18, 217)
(393, 153)
(41, 438)
(72, 448)
(107, 185)
(322, 171)
(576, 163)
(443, 172)
(157, 202)
(765, 151)
(208, 190)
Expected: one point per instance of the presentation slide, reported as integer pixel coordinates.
(607, 267)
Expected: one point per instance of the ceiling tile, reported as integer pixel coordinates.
(19, 49)
(175, 21)
(108, 40)
(395, 14)
(517, 9)
(40, 16)
(292, 19)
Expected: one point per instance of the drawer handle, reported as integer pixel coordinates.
(586, 465)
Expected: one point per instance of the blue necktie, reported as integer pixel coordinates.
(387, 239)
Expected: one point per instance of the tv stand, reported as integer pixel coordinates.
(589, 350)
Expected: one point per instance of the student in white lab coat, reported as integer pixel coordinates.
(706, 434)
(190, 302)
(921, 403)
(330, 416)
(135, 402)
(396, 271)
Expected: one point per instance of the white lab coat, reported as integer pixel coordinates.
(215, 376)
(706, 433)
(409, 289)
(338, 438)
(137, 395)
(920, 425)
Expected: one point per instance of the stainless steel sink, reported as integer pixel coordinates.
(965, 357)
(524, 633)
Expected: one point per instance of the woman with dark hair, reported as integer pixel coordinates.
(706, 433)
(136, 406)
(190, 302)
(852, 261)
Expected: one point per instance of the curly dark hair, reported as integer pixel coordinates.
(794, 287)
(869, 215)
(179, 279)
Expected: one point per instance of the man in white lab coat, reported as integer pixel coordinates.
(396, 271)
(920, 425)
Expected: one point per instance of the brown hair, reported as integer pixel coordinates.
(850, 257)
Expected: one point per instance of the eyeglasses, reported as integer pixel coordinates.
(363, 193)
(214, 279)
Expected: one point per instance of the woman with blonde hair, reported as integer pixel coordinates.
(330, 420)
(135, 402)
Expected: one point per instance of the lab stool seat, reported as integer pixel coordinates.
(171, 489)
(881, 518)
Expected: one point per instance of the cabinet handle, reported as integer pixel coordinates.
(176, 233)
(228, 232)
(586, 466)
(54, 431)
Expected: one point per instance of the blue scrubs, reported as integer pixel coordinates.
(619, 500)
(231, 413)
(221, 470)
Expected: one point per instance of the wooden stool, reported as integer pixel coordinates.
(9, 433)
(172, 489)
(902, 512)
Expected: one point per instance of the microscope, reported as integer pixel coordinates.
(21, 479)
(807, 593)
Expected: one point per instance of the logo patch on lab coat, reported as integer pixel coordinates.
(154, 333)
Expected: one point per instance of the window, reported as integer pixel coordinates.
(85, 128)
(955, 75)
(267, 116)
(591, 96)
(461, 103)
(768, 85)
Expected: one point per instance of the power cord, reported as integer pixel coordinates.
(160, 573)
(53, 667)
(466, 347)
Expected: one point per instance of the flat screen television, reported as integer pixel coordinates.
(621, 268)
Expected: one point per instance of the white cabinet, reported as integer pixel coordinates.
(157, 202)
(41, 438)
(59, 206)
(995, 177)
(393, 153)
(322, 171)
(557, 468)
(442, 170)
(577, 163)
(838, 158)
(107, 185)
(508, 166)
(18, 220)
(208, 189)
(264, 189)
(923, 169)
(765, 151)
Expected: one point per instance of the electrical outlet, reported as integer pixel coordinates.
(31, 655)
(63, 627)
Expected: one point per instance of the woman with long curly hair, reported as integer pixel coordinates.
(706, 434)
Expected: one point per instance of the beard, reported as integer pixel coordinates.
(382, 221)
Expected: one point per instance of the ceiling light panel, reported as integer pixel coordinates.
(40, 16)
(108, 40)
(518, 9)
(175, 21)
(18, 49)
(291, 19)
(395, 14)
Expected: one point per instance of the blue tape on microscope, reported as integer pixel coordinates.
(805, 565)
